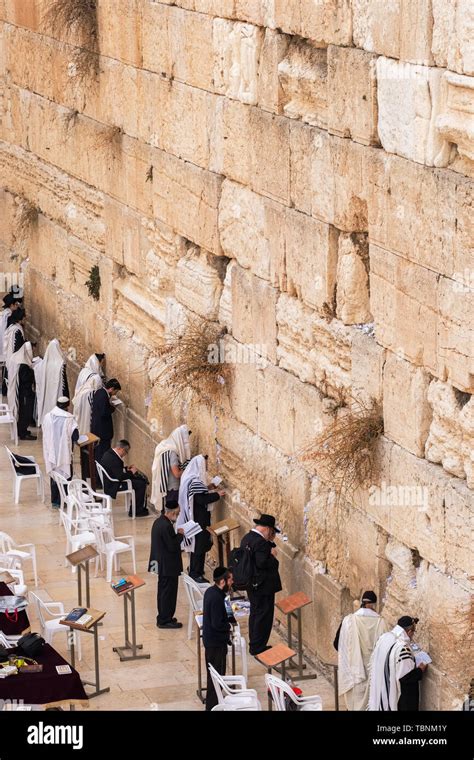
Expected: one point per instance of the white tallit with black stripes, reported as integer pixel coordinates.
(391, 660)
(177, 441)
(193, 481)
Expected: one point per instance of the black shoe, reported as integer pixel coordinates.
(201, 579)
(170, 625)
(28, 437)
(255, 653)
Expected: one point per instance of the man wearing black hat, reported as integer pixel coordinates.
(395, 676)
(216, 628)
(266, 581)
(165, 559)
(355, 641)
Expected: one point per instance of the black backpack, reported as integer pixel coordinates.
(243, 569)
(31, 644)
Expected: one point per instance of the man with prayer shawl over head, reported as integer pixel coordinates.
(89, 380)
(21, 389)
(51, 379)
(194, 501)
(355, 642)
(60, 432)
(394, 674)
(171, 457)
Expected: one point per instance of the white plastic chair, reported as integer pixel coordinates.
(195, 593)
(110, 546)
(62, 484)
(84, 493)
(18, 587)
(232, 690)
(278, 689)
(76, 536)
(18, 552)
(129, 493)
(49, 615)
(18, 479)
(7, 418)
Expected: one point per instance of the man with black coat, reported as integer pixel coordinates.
(113, 464)
(216, 628)
(102, 423)
(165, 559)
(266, 581)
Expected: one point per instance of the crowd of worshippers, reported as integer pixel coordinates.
(378, 669)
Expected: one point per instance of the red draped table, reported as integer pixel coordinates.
(47, 688)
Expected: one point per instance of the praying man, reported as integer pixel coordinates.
(355, 642)
(394, 674)
(60, 432)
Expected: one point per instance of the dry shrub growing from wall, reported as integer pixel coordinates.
(191, 363)
(77, 17)
(343, 455)
(26, 216)
(109, 138)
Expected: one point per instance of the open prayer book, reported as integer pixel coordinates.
(422, 656)
(191, 529)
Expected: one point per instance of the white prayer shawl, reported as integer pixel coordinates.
(82, 401)
(91, 367)
(9, 339)
(357, 638)
(177, 441)
(24, 355)
(3, 327)
(58, 427)
(193, 481)
(49, 376)
(386, 669)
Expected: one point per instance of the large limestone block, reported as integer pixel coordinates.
(28, 15)
(139, 313)
(367, 362)
(253, 312)
(406, 411)
(199, 282)
(330, 602)
(243, 228)
(403, 302)
(352, 84)
(456, 333)
(225, 304)
(273, 52)
(353, 302)
(8, 209)
(267, 471)
(422, 214)
(410, 99)
(451, 434)
(237, 53)
(122, 242)
(186, 198)
(397, 29)
(303, 79)
(119, 30)
(459, 528)
(248, 140)
(75, 205)
(330, 177)
(455, 123)
(453, 29)
(322, 21)
(183, 48)
(312, 349)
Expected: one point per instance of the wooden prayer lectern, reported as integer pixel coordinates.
(222, 530)
(88, 470)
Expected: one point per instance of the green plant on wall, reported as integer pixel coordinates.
(93, 283)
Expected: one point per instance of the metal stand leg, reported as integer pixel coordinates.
(300, 666)
(336, 688)
(96, 684)
(200, 688)
(132, 646)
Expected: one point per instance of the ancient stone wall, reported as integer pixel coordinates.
(299, 171)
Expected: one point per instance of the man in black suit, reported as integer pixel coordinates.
(113, 464)
(216, 627)
(101, 417)
(266, 581)
(165, 559)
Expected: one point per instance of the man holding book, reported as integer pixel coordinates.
(165, 559)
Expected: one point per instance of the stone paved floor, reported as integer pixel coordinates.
(168, 680)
